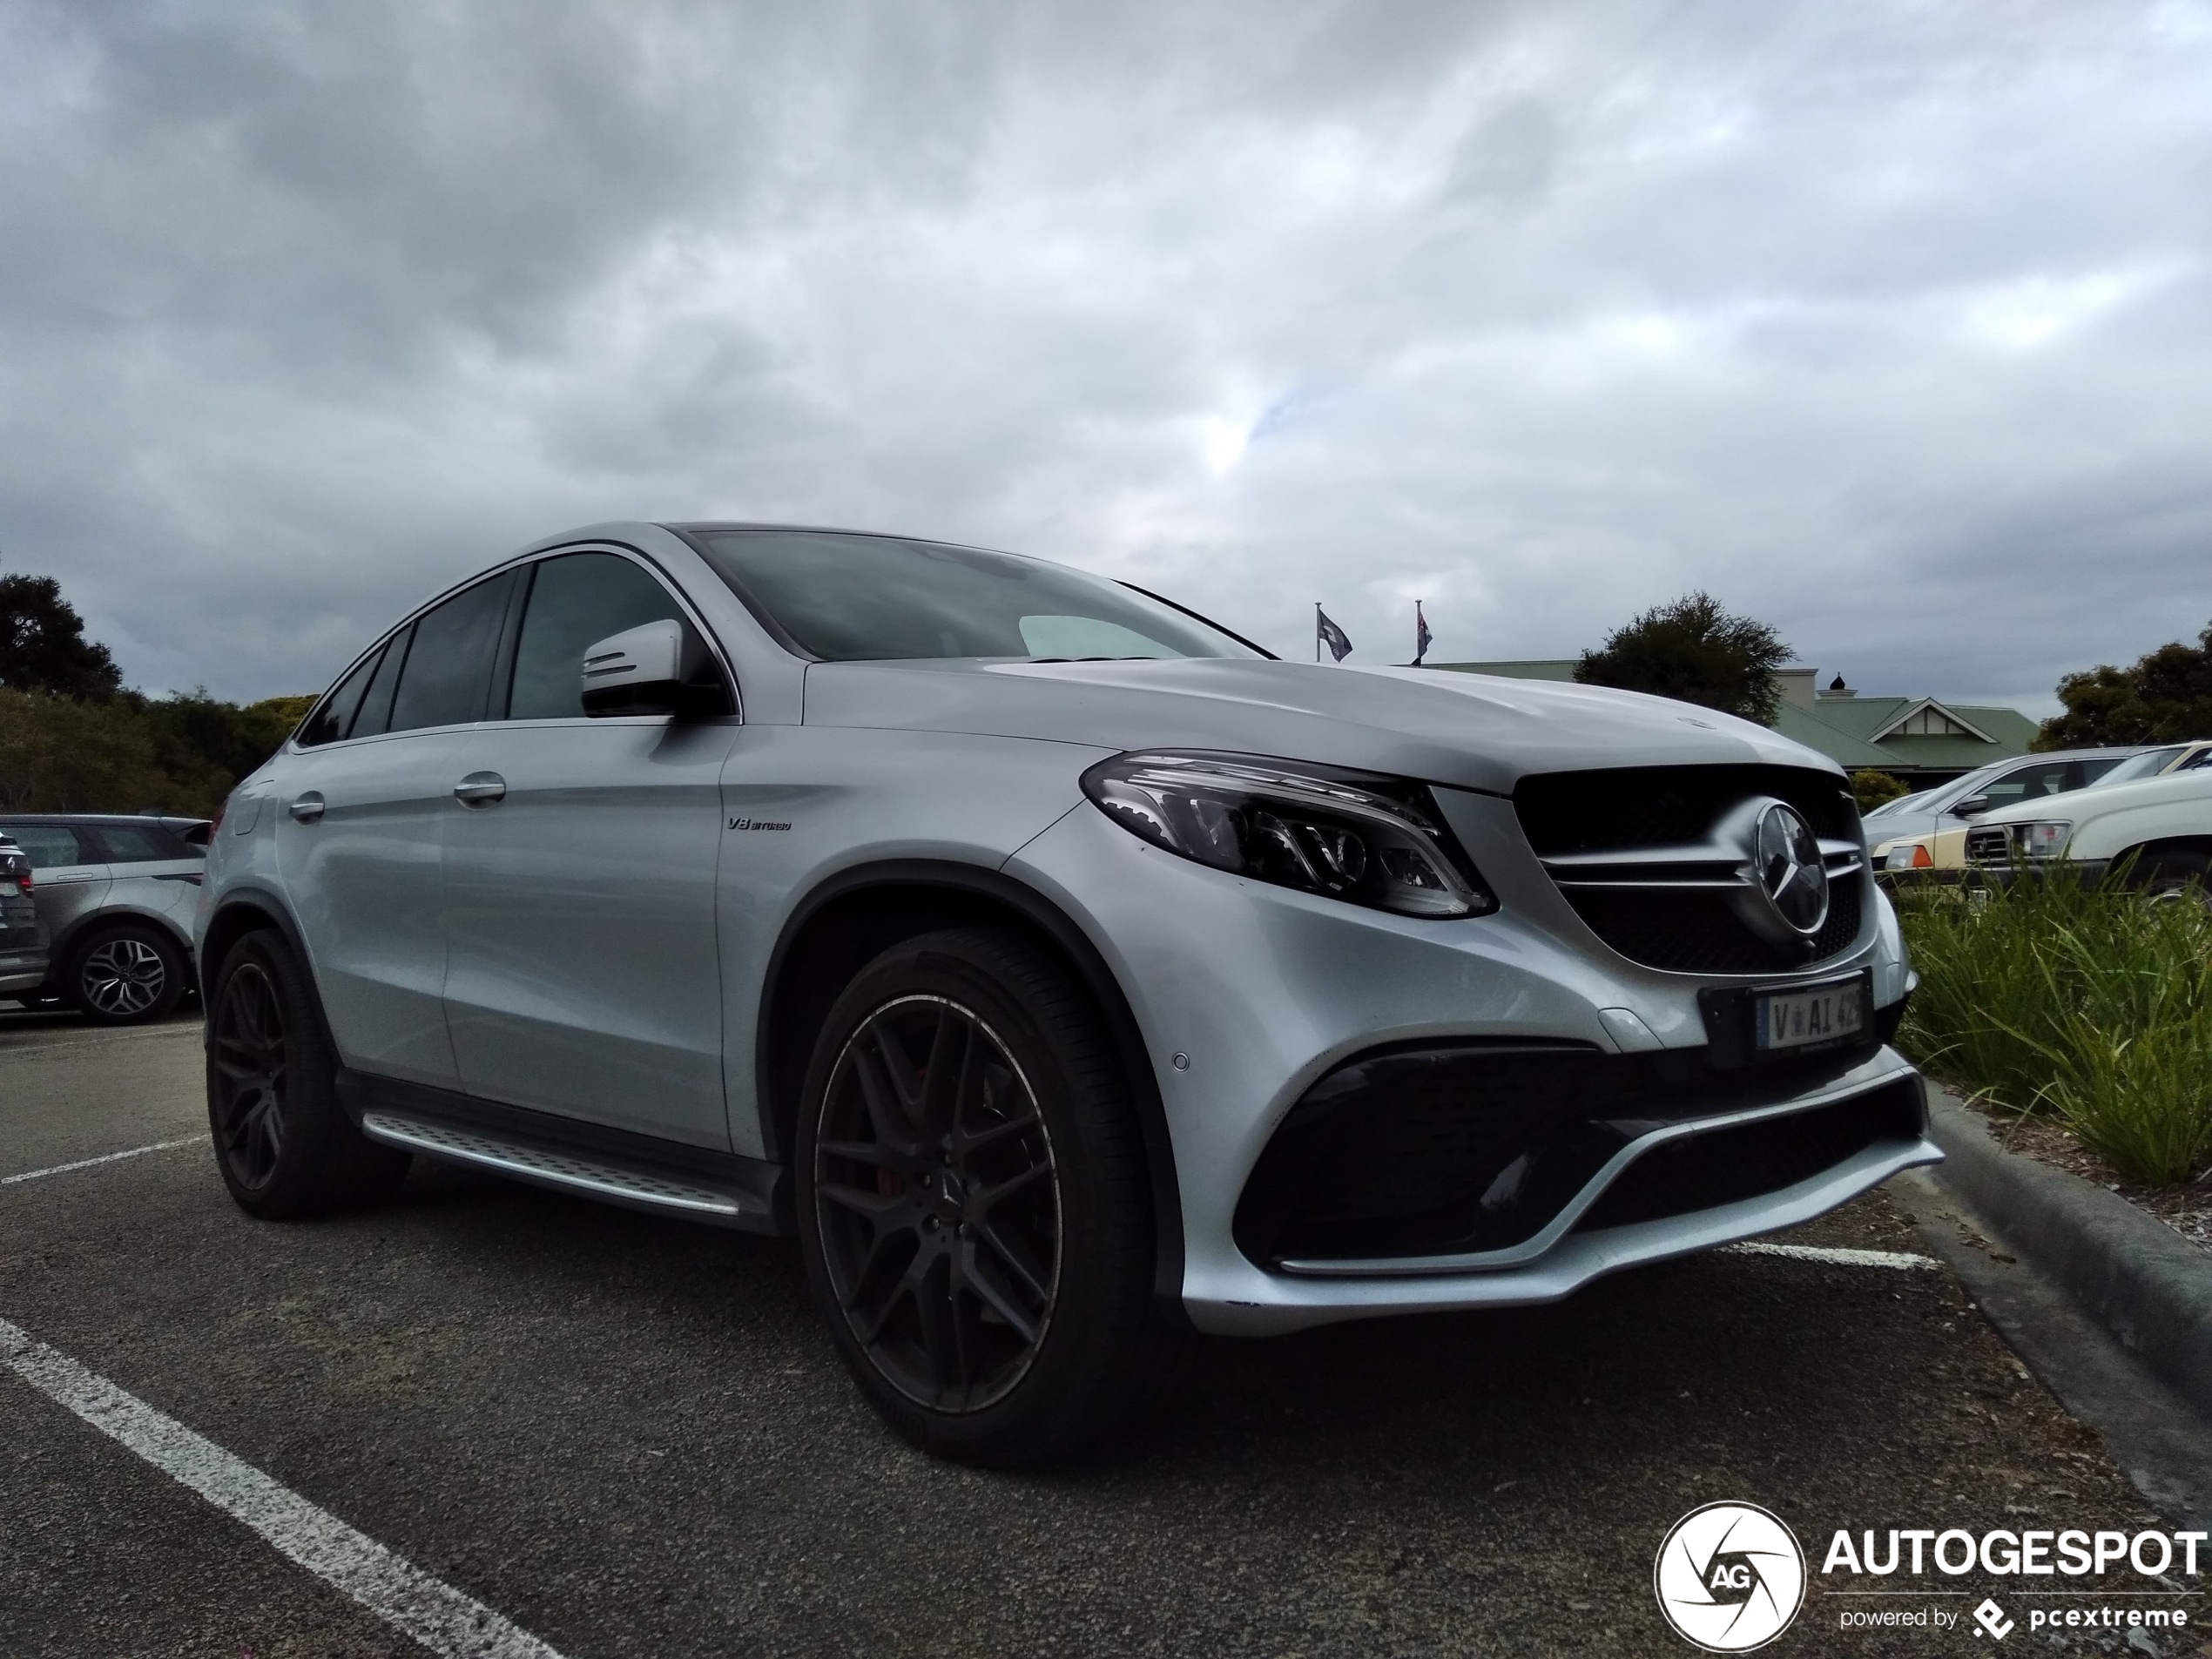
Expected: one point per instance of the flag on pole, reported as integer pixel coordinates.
(1327, 633)
(1420, 634)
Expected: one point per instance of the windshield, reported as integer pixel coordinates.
(872, 598)
(1903, 803)
(2148, 764)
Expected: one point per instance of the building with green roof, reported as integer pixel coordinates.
(1921, 740)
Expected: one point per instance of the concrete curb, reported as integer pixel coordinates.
(2136, 1276)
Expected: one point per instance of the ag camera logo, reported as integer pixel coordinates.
(1729, 1577)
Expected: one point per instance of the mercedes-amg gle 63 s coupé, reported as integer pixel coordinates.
(1064, 971)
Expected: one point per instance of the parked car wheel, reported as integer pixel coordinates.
(125, 976)
(975, 1211)
(283, 1143)
(2168, 875)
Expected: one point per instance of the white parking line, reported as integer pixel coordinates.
(439, 1617)
(1838, 1257)
(104, 1158)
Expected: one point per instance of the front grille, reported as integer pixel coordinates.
(1990, 845)
(1751, 1160)
(1634, 851)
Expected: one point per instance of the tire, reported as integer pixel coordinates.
(125, 975)
(285, 1146)
(981, 1251)
(2168, 875)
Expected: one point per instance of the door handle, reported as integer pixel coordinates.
(307, 809)
(481, 789)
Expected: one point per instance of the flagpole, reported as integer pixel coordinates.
(1317, 631)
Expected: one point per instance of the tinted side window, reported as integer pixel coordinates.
(449, 664)
(2093, 770)
(143, 844)
(2030, 783)
(334, 717)
(375, 715)
(49, 846)
(578, 600)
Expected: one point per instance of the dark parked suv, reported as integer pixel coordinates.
(117, 895)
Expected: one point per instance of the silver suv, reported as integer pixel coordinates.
(117, 895)
(1064, 971)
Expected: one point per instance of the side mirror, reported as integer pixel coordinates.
(1970, 805)
(639, 671)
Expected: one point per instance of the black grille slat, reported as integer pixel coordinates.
(1633, 807)
(1696, 931)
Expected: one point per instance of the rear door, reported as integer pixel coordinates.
(153, 871)
(69, 872)
(583, 976)
(362, 801)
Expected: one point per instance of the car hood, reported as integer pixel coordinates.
(1470, 731)
(2076, 806)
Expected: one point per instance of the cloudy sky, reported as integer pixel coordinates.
(1888, 323)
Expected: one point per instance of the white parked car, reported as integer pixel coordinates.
(1927, 832)
(2158, 830)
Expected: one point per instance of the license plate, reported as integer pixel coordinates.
(1800, 1019)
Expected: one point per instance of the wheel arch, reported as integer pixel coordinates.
(250, 909)
(856, 914)
(65, 942)
(2134, 855)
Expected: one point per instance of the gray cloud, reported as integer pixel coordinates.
(1889, 324)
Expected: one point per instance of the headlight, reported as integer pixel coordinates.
(2045, 839)
(1369, 840)
(1908, 855)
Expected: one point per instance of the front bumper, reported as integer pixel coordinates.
(1248, 995)
(1568, 1251)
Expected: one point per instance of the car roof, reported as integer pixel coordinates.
(97, 818)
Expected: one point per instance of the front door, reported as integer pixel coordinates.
(361, 804)
(583, 976)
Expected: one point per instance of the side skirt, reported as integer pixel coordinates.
(638, 1171)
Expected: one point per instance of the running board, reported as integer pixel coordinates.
(692, 1196)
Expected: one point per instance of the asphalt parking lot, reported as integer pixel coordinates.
(628, 1435)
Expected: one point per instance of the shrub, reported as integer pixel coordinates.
(2090, 1004)
(1874, 787)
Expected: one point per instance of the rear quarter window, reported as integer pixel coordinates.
(49, 846)
(144, 844)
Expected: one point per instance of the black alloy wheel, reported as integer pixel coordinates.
(974, 1205)
(126, 975)
(246, 1055)
(283, 1143)
(937, 1203)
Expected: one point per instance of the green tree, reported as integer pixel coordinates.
(2165, 698)
(72, 740)
(1695, 650)
(42, 646)
(58, 754)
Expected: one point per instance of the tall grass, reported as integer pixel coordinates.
(2091, 1005)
